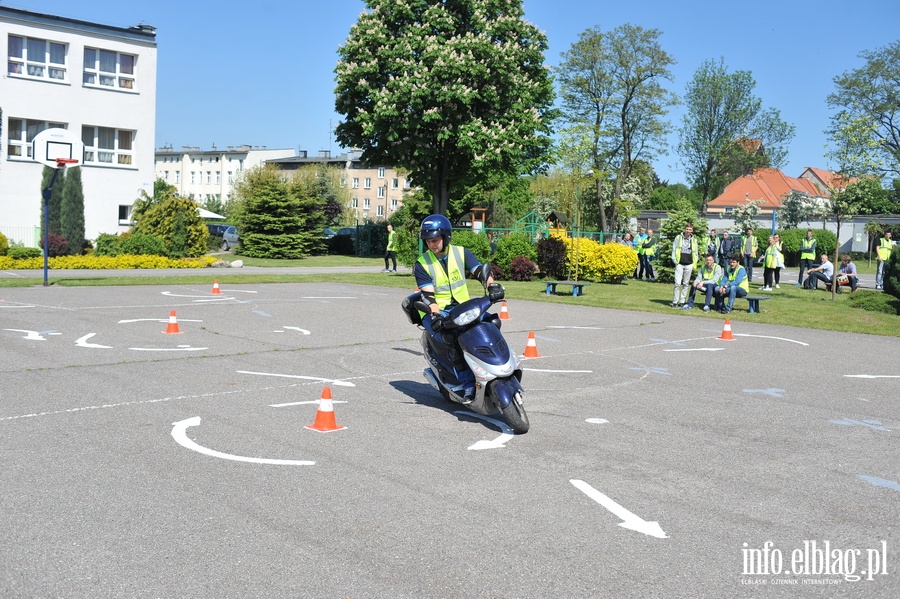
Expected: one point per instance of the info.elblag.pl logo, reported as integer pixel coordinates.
(814, 562)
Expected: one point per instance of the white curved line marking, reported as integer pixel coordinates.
(770, 337)
(304, 331)
(866, 376)
(155, 320)
(8, 306)
(563, 371)
(179, 433)
(83, 342)
(298, 376)
(499, 442)
(699, 349)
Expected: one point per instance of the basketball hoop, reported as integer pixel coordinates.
(63, 162)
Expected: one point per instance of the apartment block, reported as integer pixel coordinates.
(95, 80)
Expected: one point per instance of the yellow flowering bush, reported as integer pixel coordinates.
(609, 262)
(124, 261)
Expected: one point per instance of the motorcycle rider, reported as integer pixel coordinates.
(441, 277)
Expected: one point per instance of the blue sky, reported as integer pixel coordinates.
(262, 73)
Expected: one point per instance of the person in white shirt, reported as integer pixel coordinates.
(824, 272)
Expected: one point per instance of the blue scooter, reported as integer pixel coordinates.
(470, 350)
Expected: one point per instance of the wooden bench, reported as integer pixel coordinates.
(754, 300)
(577, 287)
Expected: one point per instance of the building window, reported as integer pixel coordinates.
(178, 176)
(395, 183)
(230, 177)
(218, 177)
(381, 192)
(192, 178)
(379, 210)
(381, 172)
(208, 177)
(124, 214)
(106, 68)
(36, 58)
(355, 202)
(166, 176)
(355, 182)
(22, 132)
(394, 205)
(105, 145)
(368, 183)
(366, 203)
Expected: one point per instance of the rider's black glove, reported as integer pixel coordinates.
(437, 322)
(496, 292)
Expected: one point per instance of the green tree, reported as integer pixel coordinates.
(71, 217)
(865, 130)
(455, 92)
(871, 198)
(722, 112)
(278, 216)
(55, 196)
(175, 220)
(613, 99)
(796, 208)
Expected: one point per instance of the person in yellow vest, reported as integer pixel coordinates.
(685, 255)
(734, 284)
(750, 248)
(441, 276)
(639, 240)
(708, 278)
(771, 261)
(647, 258)
(779, 263)
(884, 252)
(390, 252)
(807, 254)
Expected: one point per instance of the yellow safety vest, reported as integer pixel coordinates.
(391, 241)
(450, 285)
(771, 259)
(745, 284)
(884, 248)
(676, 250)
(808, 249)
(710, 274)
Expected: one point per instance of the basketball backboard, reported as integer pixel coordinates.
(50, 144)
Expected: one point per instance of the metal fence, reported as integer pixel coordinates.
(27, 236)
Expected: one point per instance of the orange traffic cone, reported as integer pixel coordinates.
(216, 290)
(531, 347)
(504, 313)
(726, 332)
(325, 422)
(172, 329)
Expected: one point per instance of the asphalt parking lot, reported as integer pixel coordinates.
(662, 461)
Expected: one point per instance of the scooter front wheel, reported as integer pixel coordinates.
(515, 416)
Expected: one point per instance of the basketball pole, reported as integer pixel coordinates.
(46, 194)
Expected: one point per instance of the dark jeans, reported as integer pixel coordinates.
(390, 255)
(709, 290)
(645, 267)
(748, 266)
(733, 292)
(805, 264)
(812, 282)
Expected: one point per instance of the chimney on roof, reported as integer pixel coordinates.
(324, 153)
(301, 153)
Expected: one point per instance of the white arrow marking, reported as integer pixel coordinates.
(596, 420)
(499, 442)
(298, 376)
(770, 337)
(83, 342)
(30, 335)
(629, 520)
(563, 371)
(179, 433)
(857, 376)
(699, 349)
(304, 331)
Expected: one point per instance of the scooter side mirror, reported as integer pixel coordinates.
(485, 273)
(422, 306)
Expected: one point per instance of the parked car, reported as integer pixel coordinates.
(347, 231)
(230, 238)
(216, 229)
(327, 233)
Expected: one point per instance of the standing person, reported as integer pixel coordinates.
(711, 245)
(751, 247)
(639, 240)
(824, 272)
(770, 264)
(708, 278)
(648, 256)
(390, 252)
(734, 284)
(779, 263)
(685, 254)
(807, 254)
(847, 272)
(884, 252)
(441, 277)
(727, 246)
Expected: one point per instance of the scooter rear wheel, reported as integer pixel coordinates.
(515, 416)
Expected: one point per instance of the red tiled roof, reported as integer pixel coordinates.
(767, 184)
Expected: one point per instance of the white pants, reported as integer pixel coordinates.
(682, 282)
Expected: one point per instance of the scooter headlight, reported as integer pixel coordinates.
(467, 317)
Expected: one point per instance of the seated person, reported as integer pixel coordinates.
(708, 277)
(734, 284)
(847, 274)
(824, 272)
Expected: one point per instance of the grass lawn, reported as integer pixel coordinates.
(865, 311)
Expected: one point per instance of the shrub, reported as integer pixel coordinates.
(551, 257)
(875, 302)
(4, 244)
(141, 244)
(107, 245)
(477, 243)
(616, 262)
(510, 247)
(58, 246)
(892, 273)
(19, 253)
(497, 273)
(522, 269)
